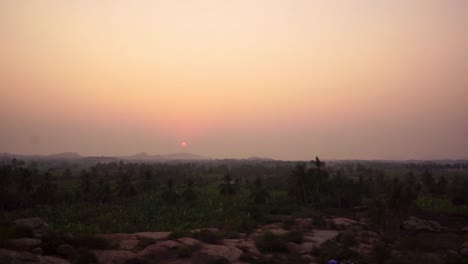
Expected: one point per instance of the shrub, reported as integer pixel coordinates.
(332, 250)
(90, 242)
(184, 251)
(381, 252)
(11, 231)
(295, 236)
(269, 242)
(221, 260)
(85, 256)
(288, 223)
(145, 241)
(207, 236)
(347, 238)
(177, 234)
(231, 234)
(52, 240)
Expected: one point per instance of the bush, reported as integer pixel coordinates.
(145, 241)
(231, 234)
(52, 240)
(12, 230)
(332, 250)
(347, 238)
(288, 223)
(295, 236)
(270, 242)
(90, 242)
(207, 236)
(381, 252)
(85, 256)
(177, 234)
(184, 251)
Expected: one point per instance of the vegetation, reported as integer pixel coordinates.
(234, 196)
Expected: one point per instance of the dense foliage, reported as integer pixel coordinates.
(233, 195)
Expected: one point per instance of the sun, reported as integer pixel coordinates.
(183, 144)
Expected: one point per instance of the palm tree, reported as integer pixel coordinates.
(259, 194)
(319, 176)
(227, 188)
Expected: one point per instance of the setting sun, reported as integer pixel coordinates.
(183, 144)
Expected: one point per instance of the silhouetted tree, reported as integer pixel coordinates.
(259, 194)
(169, 195)
(297, 184)
(228, 187)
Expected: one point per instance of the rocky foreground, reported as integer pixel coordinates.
(299, 240)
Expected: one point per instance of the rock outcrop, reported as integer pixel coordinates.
(415, 224)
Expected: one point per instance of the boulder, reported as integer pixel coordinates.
(22, 243)
(153, 235)
(66, 251)
(37, 251)
(27, 257)
(214, 230)
(246, 245)
(121, 241)
(415, 224)
(304, 223)
(156, 252)
(114, 256)
(307, 247)
(214, 253)
(318, 236)
(341, 223)
(188, 241)
(7, 253)
(169, 244)
(464, 249)
(52, 260)
(39, 226)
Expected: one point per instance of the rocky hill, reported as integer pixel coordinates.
(300, 240)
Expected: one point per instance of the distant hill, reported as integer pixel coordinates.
(75, 156)
(255, 158)
(64, 155)
(168, 157)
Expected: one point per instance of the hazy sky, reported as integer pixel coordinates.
(283, 79)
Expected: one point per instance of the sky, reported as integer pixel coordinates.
(361, 79)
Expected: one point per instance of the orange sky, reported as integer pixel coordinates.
(283, 79)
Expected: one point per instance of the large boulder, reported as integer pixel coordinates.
(464, 249)
(24, 256)
(246, 245)
(39, 226)
(415, 224)
(115, 256)
(7, 255)
(210, 254)
(22, 243)
(304, 223)
(153, 235)
(157, 252)
(342, 223)
(121, 241)
(52, 260)
(190, 242)
(66, 251)
(318, 236)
